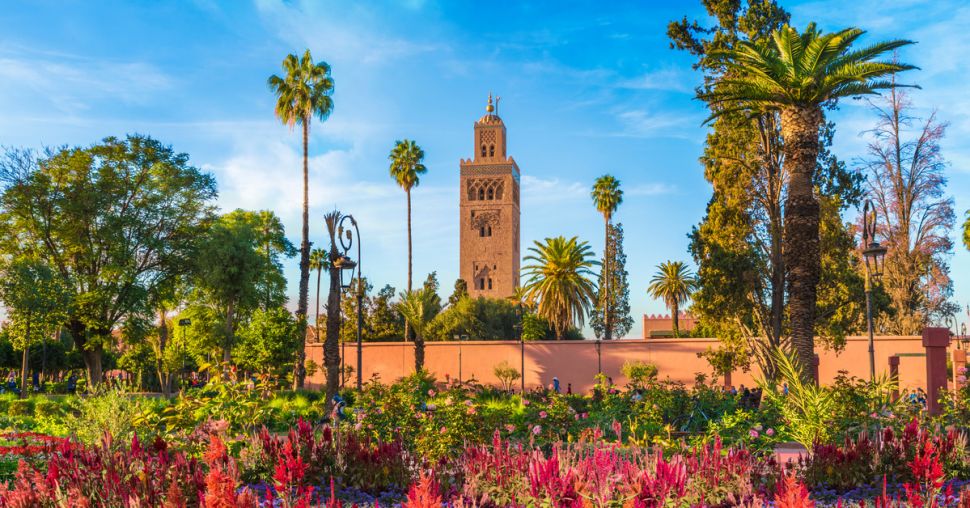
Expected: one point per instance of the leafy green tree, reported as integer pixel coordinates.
(478, 318)
(673, 284)
(419, 307)
(385, 323)
(607, 197)
(305, 91)
(798, 74)
(461, 291)
(407, 166)
(618, 306)
(266, 342)
(966, 232)
(348, 305)
(558, 281)
(35, 300)
(113, 221)
(229, 270)
(318, 261)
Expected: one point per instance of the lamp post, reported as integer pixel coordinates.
(874, 256)
(518, 328)
(963, 335)
(347, 240)
(460, 339)
(183, 324)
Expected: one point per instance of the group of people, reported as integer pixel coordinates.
(36, 384)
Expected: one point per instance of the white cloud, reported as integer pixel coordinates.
(670, 79)
(650, 189)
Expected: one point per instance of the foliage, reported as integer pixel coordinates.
(241, 407)
(506, 374)
(807, 408)
(558, 281)
(419, 308)
(266, 342)
(639, 373)
(110, 412)
(477, 318)
(619, 306)
(149, 206)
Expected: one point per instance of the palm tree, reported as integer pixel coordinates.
(797, 75)
(318, 261)
(406, 167)
(607, 197)
(673, 284)
(559, 281)
(418, 308)
(304, 92)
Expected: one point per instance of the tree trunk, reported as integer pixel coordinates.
(799, 126)
(675, 317)
(230, 332)
(23, 364)
(608, 332)
(407, 326)
(331, 348)
(316, 320)
(299, 369)
(164, 378)
(90, 353)
(418, 353)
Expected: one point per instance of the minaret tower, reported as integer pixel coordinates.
(489, 203)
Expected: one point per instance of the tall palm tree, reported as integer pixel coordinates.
(797, 75)
(406, 168)
(560, 281)
(607, 197)
(673, 283)
(318, 261)
(418, 308)
(302, 93)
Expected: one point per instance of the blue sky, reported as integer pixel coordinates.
(587, 88)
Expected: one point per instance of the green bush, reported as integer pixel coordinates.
(639, 373)
(21, 407)
(109, 412)
(47, 408)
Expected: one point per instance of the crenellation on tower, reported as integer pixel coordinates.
(490, 215)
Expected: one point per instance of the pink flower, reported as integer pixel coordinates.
(584, 416)
(962, 379)
(443, 430)
(509, 427)
(753, 433)
(468, 402)
(471, 410)
(770, 432)
(576, 417)
(543, 414)
(525, 402)
(430, 393)
(962, 370)
(536, 430)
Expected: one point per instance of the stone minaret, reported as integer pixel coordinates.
(489, 229)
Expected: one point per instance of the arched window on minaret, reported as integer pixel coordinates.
(481, 194)
(481, 232)
(491, 193)
(491, 150)
(483, 150)
(488, 231)
(489, 283)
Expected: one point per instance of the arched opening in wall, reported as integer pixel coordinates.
(491, 194)
(489, 283)
(491, 150)
(483, 150)
(481, 283)
(488, 231)
(481, 231)
(481, 194)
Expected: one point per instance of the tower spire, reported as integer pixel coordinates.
(489, 108)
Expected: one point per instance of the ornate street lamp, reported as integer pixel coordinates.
(347, 238)
(963, 335)
(874, 256)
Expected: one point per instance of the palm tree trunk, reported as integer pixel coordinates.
(608, 332)
(163, 377)
(299, 369)
(799, 127)
(316, 320)
(675, 317)
(407, 326)
(331, 348)
(418, 353)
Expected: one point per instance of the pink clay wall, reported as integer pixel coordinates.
(575, 361)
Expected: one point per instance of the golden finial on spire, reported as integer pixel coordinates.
(489, 108)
